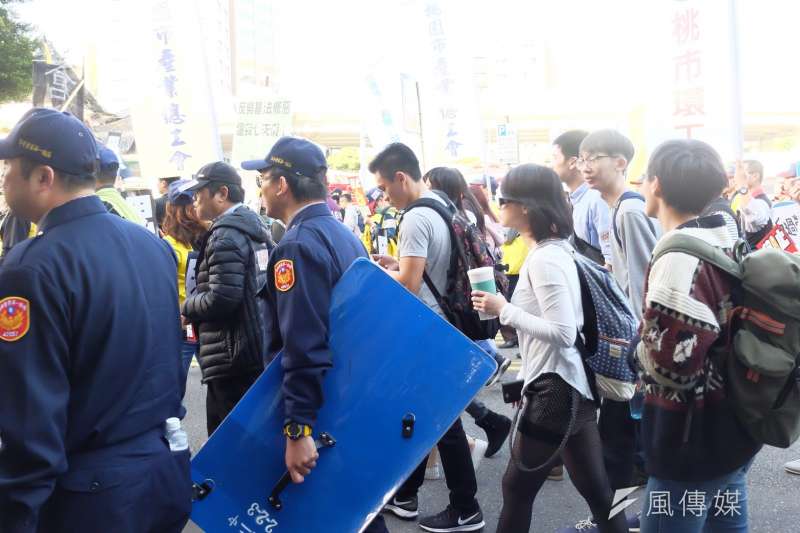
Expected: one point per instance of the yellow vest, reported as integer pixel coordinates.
(182, 252)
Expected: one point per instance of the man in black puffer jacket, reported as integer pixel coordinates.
(225, 308)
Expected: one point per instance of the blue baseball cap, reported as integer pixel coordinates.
(107, 158)
(177, 193)
(52, 138)
(293, 154)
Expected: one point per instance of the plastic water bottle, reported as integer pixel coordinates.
(637, 402)
(176, 436)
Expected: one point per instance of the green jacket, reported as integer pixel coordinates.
(117, 205)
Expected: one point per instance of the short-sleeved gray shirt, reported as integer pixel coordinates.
(423, 233)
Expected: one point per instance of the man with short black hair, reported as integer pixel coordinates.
(692, 438)
(424, 248)
(756, 207)
(89, 350)
(304, 268)
(353, 219)
(590, 214)
(231, 270)
(604, 159)
(108, 167)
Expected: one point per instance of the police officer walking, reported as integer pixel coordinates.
(89, 350)
(310, 259)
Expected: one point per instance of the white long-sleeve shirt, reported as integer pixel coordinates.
(546, 311)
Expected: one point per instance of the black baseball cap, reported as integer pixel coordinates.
(293, 154)
(218, 172)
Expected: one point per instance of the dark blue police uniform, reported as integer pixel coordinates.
(310, 259)
(313, 255)
(89, 363)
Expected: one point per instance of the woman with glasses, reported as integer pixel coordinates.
(557, 400)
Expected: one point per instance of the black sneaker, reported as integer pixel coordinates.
(451, 520)
(497, 428)
(405, 508)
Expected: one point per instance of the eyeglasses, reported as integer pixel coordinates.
(590, 161)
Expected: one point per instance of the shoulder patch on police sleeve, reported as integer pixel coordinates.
(15, 318)
(284, 275)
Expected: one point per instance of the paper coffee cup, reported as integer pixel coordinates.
(482, 279)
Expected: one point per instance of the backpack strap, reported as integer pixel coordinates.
(680, 242)
(447, 216)
(627, 195)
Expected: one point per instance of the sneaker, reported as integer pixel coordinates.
(793, 467)
(451, 520)
(584, 526)
(478, 450)
(405, 508)
(501, 369)
(556, 474)
(497, 428)
(587, 526)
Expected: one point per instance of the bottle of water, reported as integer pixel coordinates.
(176, 436)
(637, 402)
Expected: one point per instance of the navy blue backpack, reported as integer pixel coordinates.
(609, 326)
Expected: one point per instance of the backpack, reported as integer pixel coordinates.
(759, 361)
(468, 251)
(609, 326)
(587, 250)
(627, 195)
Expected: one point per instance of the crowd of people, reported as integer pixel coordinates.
(221, 286)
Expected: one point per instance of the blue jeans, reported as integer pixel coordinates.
(711, 506)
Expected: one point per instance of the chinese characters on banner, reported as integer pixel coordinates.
(173, 116)
(779, 239)
(704, 102)
(260, 122)
(688, 110)
(787, 214)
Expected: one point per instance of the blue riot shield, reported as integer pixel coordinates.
(401, 377)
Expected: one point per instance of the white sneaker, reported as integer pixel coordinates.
(477, 452)
(793, 467)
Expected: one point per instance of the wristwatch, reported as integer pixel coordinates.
(296, 431)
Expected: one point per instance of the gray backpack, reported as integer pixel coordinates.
(760, 360)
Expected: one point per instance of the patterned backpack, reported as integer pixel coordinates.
(609, 326)
(468, 251)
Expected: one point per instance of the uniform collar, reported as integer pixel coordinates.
(317, 209)
(78, 208)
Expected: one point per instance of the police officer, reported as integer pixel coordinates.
(310, 259)
(89, 350)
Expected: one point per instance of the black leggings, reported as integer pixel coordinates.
(583, 458)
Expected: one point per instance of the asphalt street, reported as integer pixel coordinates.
(774, 495)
